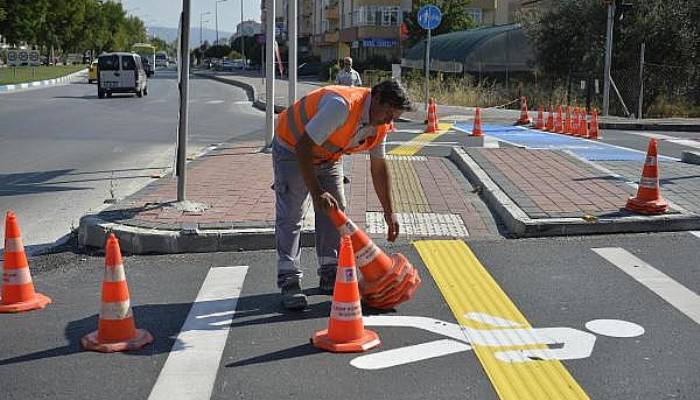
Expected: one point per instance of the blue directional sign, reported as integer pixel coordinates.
(429, 17)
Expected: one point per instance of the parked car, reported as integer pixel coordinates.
(121, 73)
(92, 72)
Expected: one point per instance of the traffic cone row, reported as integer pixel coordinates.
(432, 117)
(387, 281)
(648, 199)
(346, 332)
(574, 124)
(116, 329)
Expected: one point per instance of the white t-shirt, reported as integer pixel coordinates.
(348, 78)
(332, 112)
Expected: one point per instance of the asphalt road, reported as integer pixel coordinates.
(244, 345)
(63, 152)
(670, 144)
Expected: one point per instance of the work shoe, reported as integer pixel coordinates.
(326, 283)
(292, 296)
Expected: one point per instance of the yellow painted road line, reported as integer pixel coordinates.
(414, 145)
(468, 288)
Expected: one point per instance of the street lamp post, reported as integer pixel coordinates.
(201, 15)
(216, 17)
(240, 34)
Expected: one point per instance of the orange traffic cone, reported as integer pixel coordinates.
(346, 332)
(539, 124)
(476, 131)
(524, 117)
(387, 281)
(594, 132)
(575, 129)
(583, 123)
(648, 200)
(116, 330)
(18, 293)
(558, 125)
(432, 117)
(550, 120)
(567, 121)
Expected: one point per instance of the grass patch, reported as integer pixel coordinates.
(14, 75)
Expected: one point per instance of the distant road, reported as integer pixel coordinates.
(63, 151)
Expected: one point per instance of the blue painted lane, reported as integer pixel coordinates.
(534, 139)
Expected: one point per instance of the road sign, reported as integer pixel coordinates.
(12, 57)
(23, 57)
(429, 17)
(34, 57)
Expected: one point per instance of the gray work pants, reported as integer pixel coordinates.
(291, 194)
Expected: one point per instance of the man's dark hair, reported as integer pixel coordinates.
(391, 92)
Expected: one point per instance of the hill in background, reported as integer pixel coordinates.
(170, 34)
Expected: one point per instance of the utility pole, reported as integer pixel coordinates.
(269, 72)
(216, 17)
(201, 15)
(184, 61)
(292, 58)
(240, 34)
(608, 57)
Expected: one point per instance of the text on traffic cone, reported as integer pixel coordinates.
(346, 331)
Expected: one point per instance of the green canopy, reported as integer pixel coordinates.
(493, 49)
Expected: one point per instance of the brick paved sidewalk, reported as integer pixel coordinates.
(234, 181)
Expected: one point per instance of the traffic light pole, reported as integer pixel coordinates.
(608, 58)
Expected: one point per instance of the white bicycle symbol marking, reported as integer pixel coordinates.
(567, 343)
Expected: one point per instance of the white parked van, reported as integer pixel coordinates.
(120, 73)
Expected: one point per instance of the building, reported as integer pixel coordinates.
(362, 29)
(248, 28)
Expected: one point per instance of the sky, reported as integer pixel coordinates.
(167, 12)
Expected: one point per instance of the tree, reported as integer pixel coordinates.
(455, 17)
(217, 51)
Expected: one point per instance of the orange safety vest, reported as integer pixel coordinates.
(292, 121)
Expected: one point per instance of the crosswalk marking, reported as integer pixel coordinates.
(696, 233)
(191, 368)
(684, 299)
(468, 288)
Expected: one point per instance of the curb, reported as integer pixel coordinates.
(46, 83)
(649, 127)
(690, 157)
(522, 226)
(250, 92)
(93, 232)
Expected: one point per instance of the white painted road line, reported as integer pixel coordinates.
(191, 368)
(409, 354)
(684, 299)
(696, 233)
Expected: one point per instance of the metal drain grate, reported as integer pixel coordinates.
(420, 224)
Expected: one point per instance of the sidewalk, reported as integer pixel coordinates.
(431, 198)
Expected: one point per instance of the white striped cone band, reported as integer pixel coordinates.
(348, 228)
(367, 254)
(346, 275)
(19, 276)
(116, 310)
(13, 245)
(650, 160)
(115, 274)
(649, 183)
(341, 311)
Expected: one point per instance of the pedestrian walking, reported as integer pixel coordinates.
(311, 137)
(348, 76)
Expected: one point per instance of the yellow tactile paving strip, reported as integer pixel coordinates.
(468, 287)
(414, 145)
(406, 191)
